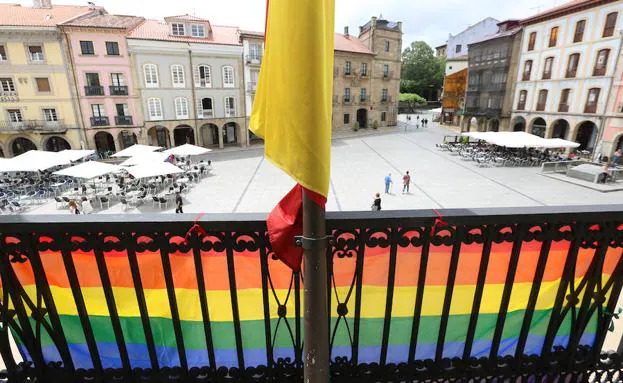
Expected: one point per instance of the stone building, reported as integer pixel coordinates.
(612, 137)
(490, 87)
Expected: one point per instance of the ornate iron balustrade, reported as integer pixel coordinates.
(520, 295)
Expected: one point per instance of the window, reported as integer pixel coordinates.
(177, 76)
(458, 48)
(228, 77)
(15, 115)
(572, 65)
(122, 110)
(255, 51)
(386, 45)
(591, 100)
(117, 79)
(364, 69)
(346, 94)
(98, 110)
(112, 48)
(553, 37)
(579, 31)
(197, 30)
(151, 75)
(383, 116)
(363, 94)
(93, 79)
(36, 53)
(531, 41)
(346, 118)
(2, 53)
(230, 107)
(527, 70)
(384, 95)
(181, 108)
(205, 108)
(385, 70)
(547, 68)
(601, 63)
(611, 22)
(177, 29)
(542, 101)
(154, 107)
(50, 115)
(203, 76)
(86, 48)
(43, 84)
(347, 68)
(7, 84)
(563, 105)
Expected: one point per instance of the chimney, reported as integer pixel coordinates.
(42, 3)
(346, 31)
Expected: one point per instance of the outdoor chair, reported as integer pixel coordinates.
(165, 202)
(104, 200)
(60, 201)
(156, 201)
(124, 202)
(16, 207)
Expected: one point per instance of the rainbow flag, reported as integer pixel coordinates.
(248, 287)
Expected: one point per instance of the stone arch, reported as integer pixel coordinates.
(518, 124)
(210, 134)
(104, 144)
(21, 145)
(159, 136)
(230, 133)
(362, 117)
(586, 135)
(183, 134)
(493, 125)
(2, 155)
(56, 144)
(617, 143)
(538, 127)
(559, 129)
(126, 139)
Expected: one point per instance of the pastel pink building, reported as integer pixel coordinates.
(612, 138)
(109, 102)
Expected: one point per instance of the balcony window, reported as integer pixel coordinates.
(205, 108)
(385, 71)
(197, 30)
(151, 75)
(2, 53)
(542, 101)
(43, 84)
(50, 115)
(15, 115)
(527, 70)
(572, 65)
(384, 95)
(228, 77)
(578, 36)
(531, 41)
(181, 108)
(347, 68)
(364, 69)
(7, 84)
(611, 22)
(230, 107)
(553, 37)
(177, 76)
(591, 100)
(154, 108)
(563, 106)
(93, 87)
(363, 96)
(86, 48)
(547, 68)
(36, 53)
(98, 110)
(122, 110)
(112, 48)
(601, 63)
(177, 29)
(203, 76)
(346, 94)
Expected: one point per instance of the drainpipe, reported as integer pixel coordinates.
(244, 97)
(79, 119)
(600, 133)
(194, 92)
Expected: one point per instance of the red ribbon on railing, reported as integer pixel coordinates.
(439, 222)
(196, 228)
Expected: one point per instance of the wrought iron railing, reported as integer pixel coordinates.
(522, 295)
(118, 90)
(123, 120)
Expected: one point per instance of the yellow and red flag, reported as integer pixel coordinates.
(292, 110)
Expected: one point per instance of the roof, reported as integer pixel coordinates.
(106, 21)
(570, 7)
(17, 15)
(252, 34)
(159, 30)
(441, 46)
(475, 25)
(186, 17)
(509, 32)
(350, 44)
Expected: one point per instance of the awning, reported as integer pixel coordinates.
(75, 155)
(153, 170)
(33, 161)
(145, 158)
(89, 170)
(135, 150)
(520, 140)
(187, 150)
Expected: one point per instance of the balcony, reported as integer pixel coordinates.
(45, 260)
(33, 126)
(117, 90)
(563, 108)
(100, 121)
(123, 120)
(8, 96)
(94, 90)
(253, 60)
(590, 108)
(364, 99)
(251, 86)
(206, 113)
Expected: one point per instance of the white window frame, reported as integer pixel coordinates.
(208, 81)
(229, 111)
(7, 86)
(178, 29)
(182, 111)
(154, 109)
(117, 79)
(6, 55)
(40, 58)
(199, 28)
(101, 110)
(18, 114)
(227, 84)
(151, 77)
(50, 112)
(179, 76)
(201, 112)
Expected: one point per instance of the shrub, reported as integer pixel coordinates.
(375, 124)
(356, 126)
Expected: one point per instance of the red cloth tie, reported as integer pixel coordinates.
(195, 228)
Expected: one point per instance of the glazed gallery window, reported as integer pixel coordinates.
(228, 77)
(154, 107)
(151, 75)
(177, 76)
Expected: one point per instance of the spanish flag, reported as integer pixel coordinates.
(292, 110)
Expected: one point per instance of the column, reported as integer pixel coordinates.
(221, 144)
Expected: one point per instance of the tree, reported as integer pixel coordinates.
(413, 100)
(422, 72)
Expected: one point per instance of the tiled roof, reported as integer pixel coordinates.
(509, 32)
(252, 33)
(341, 43)
(571, 6)
(16, 15)
(106, 21)
(186, 17)
(158, 30)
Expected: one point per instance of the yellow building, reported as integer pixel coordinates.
(38, 103)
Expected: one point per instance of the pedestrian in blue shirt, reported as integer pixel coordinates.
(388, 183)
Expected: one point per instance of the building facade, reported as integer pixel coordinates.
(190, 77)
(441, 51)
(490, 86)
(566, 71)
(612, 137)
(109, 102)
(38, 104)
(253, 52)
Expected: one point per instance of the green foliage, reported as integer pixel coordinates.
(375, 125)
(413, 97)
(356, 126)
(422, 72)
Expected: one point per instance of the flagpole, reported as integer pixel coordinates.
(316, 322)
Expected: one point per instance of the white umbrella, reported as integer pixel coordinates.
(560, 143)
(89, 170)
(32, 161)
(153, 170)
(136, 149)
(75, 154)
(145, 158)
(187, 150)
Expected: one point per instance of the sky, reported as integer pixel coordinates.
(426, 20)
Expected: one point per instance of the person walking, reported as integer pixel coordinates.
(376, 204)
(73, 207)
(388, 183)
(406, 182)
(178, 204)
